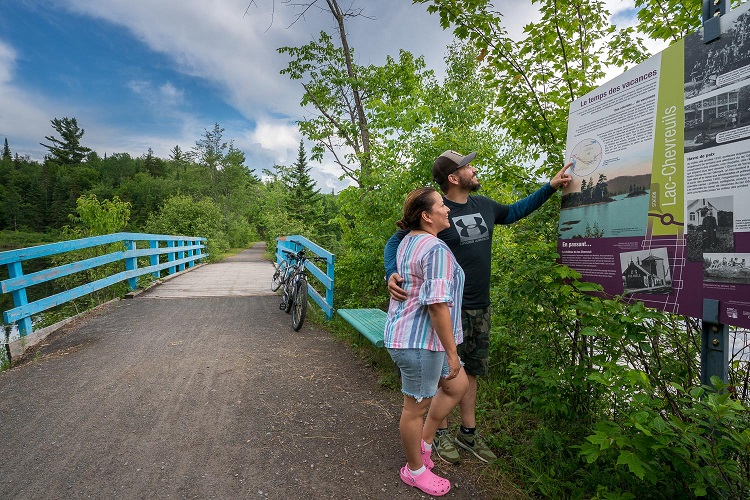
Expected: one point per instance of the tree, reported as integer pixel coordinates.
(94, 218)
(303, 201)
(68, 149)
(535, 78)
(179, 159)
(97, 218)
(181, 214)
(669, 20)
(334, 89)
(208, 152)
(6, 151)
(153, 165)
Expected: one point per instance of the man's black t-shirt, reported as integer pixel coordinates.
(470, 239)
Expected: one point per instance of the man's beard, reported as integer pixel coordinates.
(469, 184)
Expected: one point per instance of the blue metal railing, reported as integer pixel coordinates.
(295, 243)
(180, 251)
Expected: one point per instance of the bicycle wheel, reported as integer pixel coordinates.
(299, 307)
(278, 275)
(288, 298)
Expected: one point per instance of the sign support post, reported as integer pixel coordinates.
(714, 335)
(714, 344)
(712, 11)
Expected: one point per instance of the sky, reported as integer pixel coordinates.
(140, 74)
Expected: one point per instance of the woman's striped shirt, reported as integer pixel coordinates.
(430, 275)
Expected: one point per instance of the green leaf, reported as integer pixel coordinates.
(585, 286)
(659, 424)
(635, 465)
(590, 331)
(600, 439)
(590, 452)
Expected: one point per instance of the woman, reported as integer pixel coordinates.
(421, 334)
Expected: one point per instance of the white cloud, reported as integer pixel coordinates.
(213, 41)
(171, 94)
(236, 52)
(7, 62)
(161, 98)
(276, 136)
(23, 113)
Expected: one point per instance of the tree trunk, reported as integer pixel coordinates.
(361, 117)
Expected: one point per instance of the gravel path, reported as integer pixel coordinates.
(199, 388)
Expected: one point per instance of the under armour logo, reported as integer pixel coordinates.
(466, 229)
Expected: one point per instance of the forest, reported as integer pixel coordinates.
(588, 396)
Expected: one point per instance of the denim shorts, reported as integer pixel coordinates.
(421, 371)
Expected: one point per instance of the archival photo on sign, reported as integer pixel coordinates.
(710, 226)
(727, 268)
(646, 271)
(717, 97)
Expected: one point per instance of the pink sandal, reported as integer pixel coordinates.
(427, 481)
(426, 457)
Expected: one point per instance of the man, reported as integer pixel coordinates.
(472, 220)
(709, 230)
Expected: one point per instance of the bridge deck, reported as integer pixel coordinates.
(199, 388)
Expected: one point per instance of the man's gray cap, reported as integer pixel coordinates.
(449, 162)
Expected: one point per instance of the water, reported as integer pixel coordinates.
(622, 217)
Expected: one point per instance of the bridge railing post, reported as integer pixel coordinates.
(329, 290)
(171, 257)
(131, 263)
(154, 259)
(15, 270)
(181, 255)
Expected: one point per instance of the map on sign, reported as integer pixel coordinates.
(586, 157)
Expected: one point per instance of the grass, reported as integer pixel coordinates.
(11, 240)
(230, 252)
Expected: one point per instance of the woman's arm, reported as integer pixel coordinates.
(440, 316)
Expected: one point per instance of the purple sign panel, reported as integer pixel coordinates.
(659, 206)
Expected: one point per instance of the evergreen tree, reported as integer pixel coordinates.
(303, 200)
(68, 149)
(179, 161)
(6, 150)
(153, 165)
(176, 154)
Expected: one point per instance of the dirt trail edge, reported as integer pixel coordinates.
(214, 396)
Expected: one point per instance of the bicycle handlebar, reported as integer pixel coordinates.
(301, 255)
(293, 255)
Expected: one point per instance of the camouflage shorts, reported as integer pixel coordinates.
(475, 349)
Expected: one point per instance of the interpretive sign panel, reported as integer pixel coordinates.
(659, 206)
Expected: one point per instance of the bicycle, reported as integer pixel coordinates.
(294, 296)
(280, 274)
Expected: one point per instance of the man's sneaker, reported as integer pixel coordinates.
(443, 447)
(476, 445)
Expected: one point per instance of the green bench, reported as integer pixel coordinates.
(368, 322)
